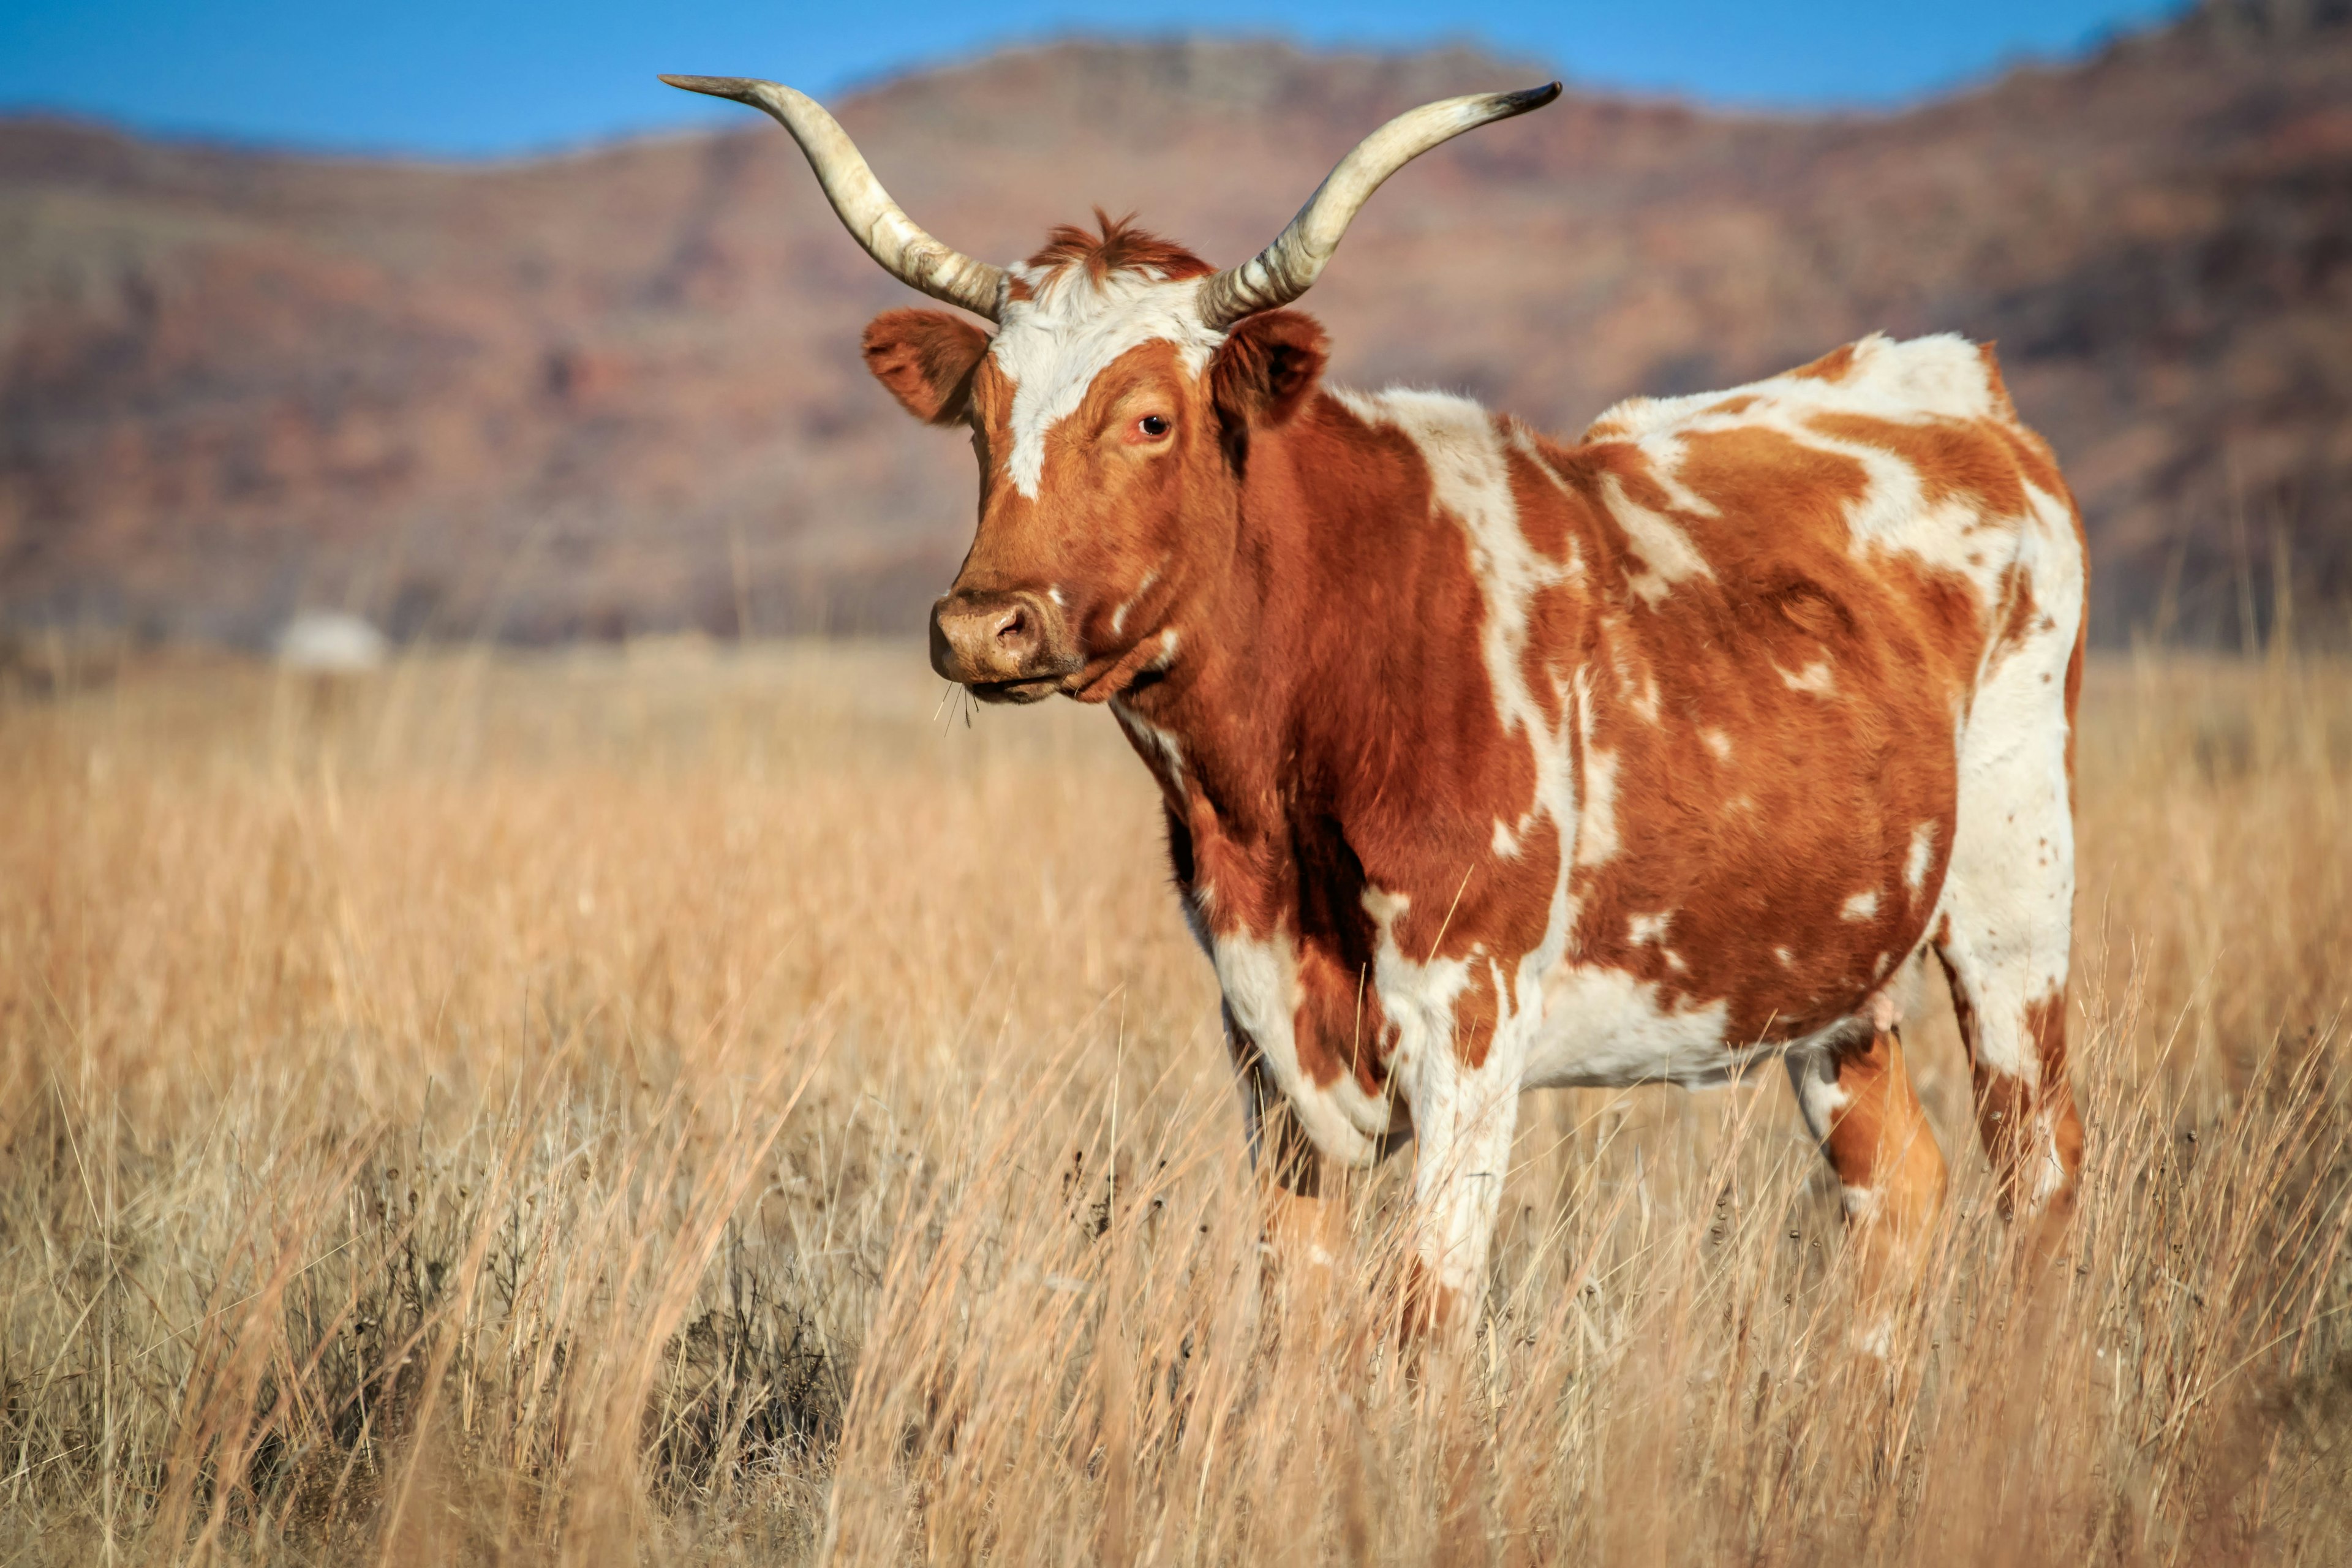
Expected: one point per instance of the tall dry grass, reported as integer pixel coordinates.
(693, 1108)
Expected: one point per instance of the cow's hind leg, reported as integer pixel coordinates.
(1858, 1100)
(2015, 1028)
(2006, 924)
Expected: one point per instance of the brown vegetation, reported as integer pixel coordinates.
(679, 1107)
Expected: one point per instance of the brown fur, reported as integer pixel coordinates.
(1880, 1143)
(1118, 246)
(925, 358)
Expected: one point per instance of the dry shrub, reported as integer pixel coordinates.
(708, 1107)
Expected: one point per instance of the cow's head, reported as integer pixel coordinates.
(1111, 411)
(1109, 416)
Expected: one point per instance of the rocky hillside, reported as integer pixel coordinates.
(620, 390)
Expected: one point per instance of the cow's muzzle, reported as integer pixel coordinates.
(1008, 647)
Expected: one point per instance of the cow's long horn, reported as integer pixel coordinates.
(1286, 268)
(873, 219)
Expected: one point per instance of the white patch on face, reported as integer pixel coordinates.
(1785, 957)
(1861, 907)
(1666, 556)
(1505, 843)
(1921, 855)
(1647, 927)
(1816, 678)
(1718, 743)
(1053, 345)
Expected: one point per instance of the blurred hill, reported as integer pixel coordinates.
(619, 390)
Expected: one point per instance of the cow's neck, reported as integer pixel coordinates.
(1303, 675)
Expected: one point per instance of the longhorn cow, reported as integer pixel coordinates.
(1493, 761)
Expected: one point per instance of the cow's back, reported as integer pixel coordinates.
(1796, 590)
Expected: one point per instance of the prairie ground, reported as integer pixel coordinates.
(718, 1107)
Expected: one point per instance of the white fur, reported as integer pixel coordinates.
(1932, 377)
(1817, 677)
(1665, 552)
(1463, 1120)
(1941, 377)
(2009, 892)
(1596, 825)
(1259, 977)
(1604, 1028)
(1053, 345)
(1919, 857)
(1162, 752)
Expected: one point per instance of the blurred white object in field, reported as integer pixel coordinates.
(332, 641)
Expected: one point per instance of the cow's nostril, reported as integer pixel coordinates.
(1014, 627)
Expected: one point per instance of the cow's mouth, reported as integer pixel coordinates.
(1035, 690)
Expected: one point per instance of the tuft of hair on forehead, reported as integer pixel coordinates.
(1120, 247)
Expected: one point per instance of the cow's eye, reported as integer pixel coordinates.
(1153, 425)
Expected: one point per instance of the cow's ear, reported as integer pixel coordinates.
(925, 358)
(1267, 367)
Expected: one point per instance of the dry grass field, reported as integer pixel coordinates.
(688, 1107)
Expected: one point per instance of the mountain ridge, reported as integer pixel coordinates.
(617, 390)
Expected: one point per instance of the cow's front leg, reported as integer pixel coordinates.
(1466, 1107)
(1859, 1101)
(1305, 1215)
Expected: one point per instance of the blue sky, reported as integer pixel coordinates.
(443, 76)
